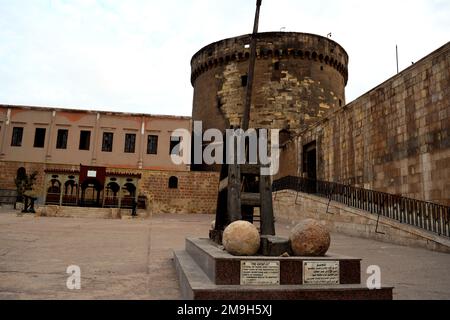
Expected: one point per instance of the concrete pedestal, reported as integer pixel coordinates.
(206, 271)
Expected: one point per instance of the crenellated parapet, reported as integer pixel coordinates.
(272, 45)
(298, 79)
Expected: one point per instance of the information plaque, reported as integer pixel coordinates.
(260, 273)
(92, 174)
(321, 272)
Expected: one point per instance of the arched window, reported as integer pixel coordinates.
(112, 189)
(70, 187)
(131, 189)
(173, 183)
(55, 187)
(54, 192)
(70, 194)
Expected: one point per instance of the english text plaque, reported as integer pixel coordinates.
(321, 272)
(260, 273)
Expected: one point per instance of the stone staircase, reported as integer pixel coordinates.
(364, 213)
(81, 212)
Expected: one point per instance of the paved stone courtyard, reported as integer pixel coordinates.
(132, 259)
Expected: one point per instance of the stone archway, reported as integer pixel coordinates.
(70, 194)
(112, 197)
(91, 193)
(53, 191)
(129, 195)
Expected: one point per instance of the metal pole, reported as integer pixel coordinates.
(251, 69)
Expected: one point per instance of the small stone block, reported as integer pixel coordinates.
(272, 246)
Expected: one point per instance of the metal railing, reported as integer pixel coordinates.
(53, 198)
(111, 202)
(429, 216)
(69, 200)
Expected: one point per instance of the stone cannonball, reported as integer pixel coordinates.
(241, 238)
(310, 239)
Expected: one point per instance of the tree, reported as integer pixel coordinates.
(24, 182)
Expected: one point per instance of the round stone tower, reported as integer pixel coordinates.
(298, 78)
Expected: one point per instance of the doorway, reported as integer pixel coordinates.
(91, 193)
(310, 165)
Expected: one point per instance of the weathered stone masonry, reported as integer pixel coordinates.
(298, 78)
(196, 191)
(395, 138)
(129, 158)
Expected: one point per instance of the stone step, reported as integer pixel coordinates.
(196, 285)
(82, 212)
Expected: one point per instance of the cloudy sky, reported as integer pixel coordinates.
(134, 55)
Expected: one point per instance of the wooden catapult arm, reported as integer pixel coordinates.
(236, 201)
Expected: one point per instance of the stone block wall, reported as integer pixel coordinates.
(353, 222)
(298, 78)
(290, 161)
(395, 138)
(8, 172)
(196, 192)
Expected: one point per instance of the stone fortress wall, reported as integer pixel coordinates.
(395, 138)
(298, 78)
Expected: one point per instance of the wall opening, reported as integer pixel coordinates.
(85, 140)
(175, 147)
(107, 143)
(61, 140)
(112, 194)
(152, 144)
(129, 195)
(70, 194)
(130, 143)
(91, 193)
(16, 140)
(173, 183)
(39, 138)
(310, 160)
(53, 191)
(244, 80)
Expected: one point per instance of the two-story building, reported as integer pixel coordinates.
(100, 159)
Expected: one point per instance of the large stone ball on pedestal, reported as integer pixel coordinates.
(310, 239)
(241, 238)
